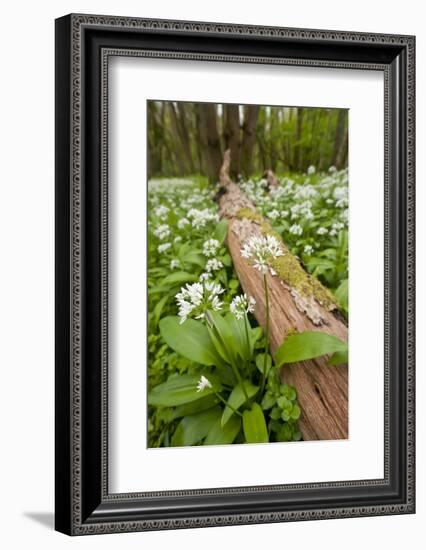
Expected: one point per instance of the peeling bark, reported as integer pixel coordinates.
(322, 389)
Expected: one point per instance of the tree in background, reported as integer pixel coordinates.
(186, 138)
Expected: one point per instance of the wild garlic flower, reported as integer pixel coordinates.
(182, 222)
(203, 383)
(161, 211)
(273, 214)
(211, 247)
(193, 300)
(260, 251)
(163, 247)
(162, 231)
(308, 249)
(200, 218)
(311, 170)
(213, 265)
(174, 264)
(322, 231)
(296, 229)
(242, 304)
(332, 169)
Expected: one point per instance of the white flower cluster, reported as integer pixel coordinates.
(242, 304)
(322, 231)
(195, 299)
(260, 251)
(311, 170)
(211, 247)
(162, 231)
(161, 211)
(296, 229)
(213, 265)
(182, 223)
(200, 218)
(163, 247)
(336, 227)
(174, 264)
(308, 249)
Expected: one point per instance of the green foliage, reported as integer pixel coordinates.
(254, 425)
(308, 345)
(206, 371)
(190, 339)
(179, 390)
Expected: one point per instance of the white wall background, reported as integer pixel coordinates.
(27, 245)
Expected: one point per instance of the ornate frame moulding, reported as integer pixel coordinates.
(84, 44)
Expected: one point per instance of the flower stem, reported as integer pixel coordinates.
(265, 362)
(227, 404)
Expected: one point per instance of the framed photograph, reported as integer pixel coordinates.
(234, 274)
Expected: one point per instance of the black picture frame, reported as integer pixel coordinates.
(83, 45)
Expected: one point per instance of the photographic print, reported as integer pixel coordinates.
(247, 274)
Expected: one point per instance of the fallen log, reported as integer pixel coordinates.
(298, 301)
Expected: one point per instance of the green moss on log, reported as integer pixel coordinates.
(288, 266)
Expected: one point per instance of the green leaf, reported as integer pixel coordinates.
(159, 307)
(194, 257)
(254, 425)
(179, 277)
(197, 406)
(178, 390)
(221, 333)
(339, 358)
(223, 435)
(237, 398)
(192, 429)
(190, 339)
(221, 230)
(260, 362)
(307, 345)
(341, 294)
(268, 401)
(240, 332)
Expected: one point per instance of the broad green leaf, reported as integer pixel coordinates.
(307, 345)
(197, 406)
(221, 230)
(221, 333)
(260, 363)
(194, 257)
(254, 425)
(223, 435)
(341, 294)
(190, 339)
(179, 390)
(339, 358)
(238, 398)
(179, 277)
(192, 429)
(241, 331)
(159, 307)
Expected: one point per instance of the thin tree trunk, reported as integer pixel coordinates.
(322, 389)
(210, 139)
(298, 147)
(232, 137)
(341, 138)
(249, 139)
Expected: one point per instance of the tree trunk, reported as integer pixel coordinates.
(249, 139)
(210, 139)
(232, 137)
(298, 146)
(322, 389)
(341, 142)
